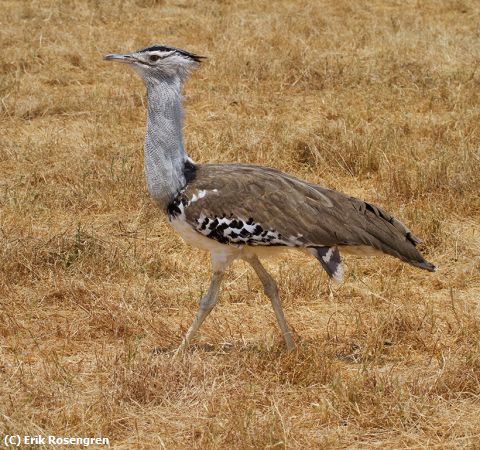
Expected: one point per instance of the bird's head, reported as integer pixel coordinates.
(159, 62)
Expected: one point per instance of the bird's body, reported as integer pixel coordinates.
(254, 209)
(239, 211)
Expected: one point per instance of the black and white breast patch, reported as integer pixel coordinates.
(231, 230)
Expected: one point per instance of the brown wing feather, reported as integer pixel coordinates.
(292, 207)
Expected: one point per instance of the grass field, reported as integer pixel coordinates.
(378, 99)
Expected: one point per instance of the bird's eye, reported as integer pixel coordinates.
(154, 58)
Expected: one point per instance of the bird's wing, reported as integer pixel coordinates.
(243, 204)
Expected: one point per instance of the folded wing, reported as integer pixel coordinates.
(243, 204)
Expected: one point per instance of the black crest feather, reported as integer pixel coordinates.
(166, 48)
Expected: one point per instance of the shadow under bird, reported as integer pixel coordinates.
(240, 211)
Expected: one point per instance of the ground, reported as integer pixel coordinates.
(378, 99)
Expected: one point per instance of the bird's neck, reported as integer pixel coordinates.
(164, 155)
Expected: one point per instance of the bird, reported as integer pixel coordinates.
(248, 212)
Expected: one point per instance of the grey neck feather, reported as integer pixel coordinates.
(164, 153)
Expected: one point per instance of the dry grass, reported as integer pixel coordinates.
(379, 99)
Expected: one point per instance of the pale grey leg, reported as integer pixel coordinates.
(220, 262)
(271, 290)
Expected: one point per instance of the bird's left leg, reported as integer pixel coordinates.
(220, 263)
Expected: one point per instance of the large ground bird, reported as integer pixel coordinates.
(240, 211)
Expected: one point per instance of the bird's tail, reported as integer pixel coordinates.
(425, 265)
(388, 235)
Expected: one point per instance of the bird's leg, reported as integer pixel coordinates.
(271, 290)
(219, 265)
(206, 305)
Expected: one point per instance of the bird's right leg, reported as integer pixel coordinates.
(271, 290)
(220, 263)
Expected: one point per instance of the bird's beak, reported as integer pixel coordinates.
(119, 58)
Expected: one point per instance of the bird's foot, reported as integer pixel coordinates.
(291, 347)
(180, 351)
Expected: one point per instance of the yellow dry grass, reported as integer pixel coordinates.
(379, 99)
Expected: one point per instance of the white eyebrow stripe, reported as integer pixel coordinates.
(162, 54)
